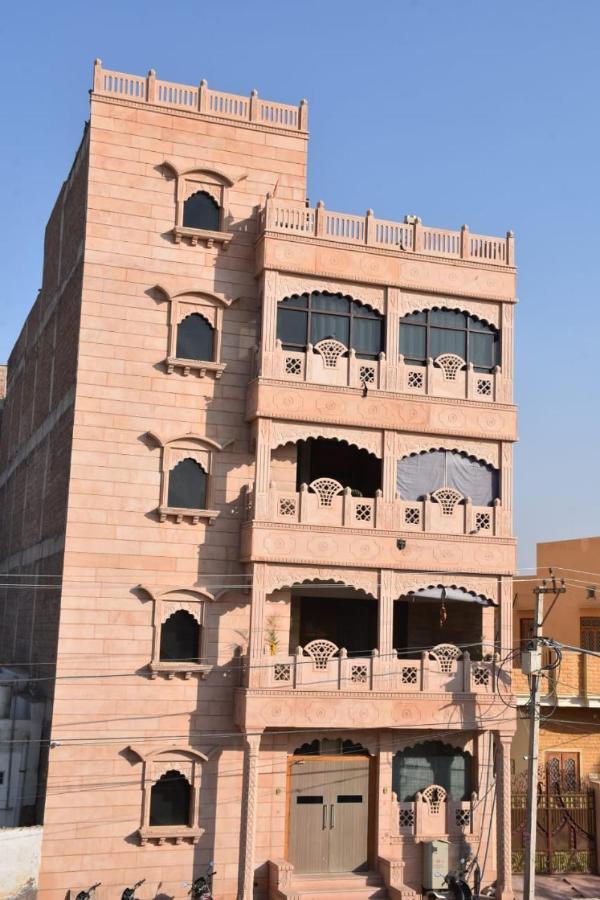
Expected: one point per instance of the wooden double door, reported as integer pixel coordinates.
(328, 813)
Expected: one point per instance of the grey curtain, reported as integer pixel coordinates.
(415, 768)
(424, 473)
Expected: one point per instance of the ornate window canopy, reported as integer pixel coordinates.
(175, 450)
(166, 604)
(193, 351)
(202, 205)
(186, 762)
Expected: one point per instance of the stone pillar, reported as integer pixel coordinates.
(386, 508)
(506, 487)
(385, 638)
(504, 890)
(256, 644)
(262, 466)
(268, 324)
(506, 338)
(392, 340)
(249, 814)
(505, 611)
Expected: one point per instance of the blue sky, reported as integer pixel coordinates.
(456, 110)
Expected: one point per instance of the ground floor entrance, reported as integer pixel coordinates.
(328, 820)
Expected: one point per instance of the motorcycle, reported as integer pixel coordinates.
(87, 895)
(129, 893)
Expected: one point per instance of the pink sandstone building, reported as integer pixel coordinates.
(255, 481)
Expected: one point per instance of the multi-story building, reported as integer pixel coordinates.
(257, 459)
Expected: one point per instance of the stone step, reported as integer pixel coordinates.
(337, 886)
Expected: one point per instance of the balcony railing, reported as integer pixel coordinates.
(325, 502)
(434, 813)
(199, 98)
(367, 231)
(447, 376)
(444, 669)
(575, 683)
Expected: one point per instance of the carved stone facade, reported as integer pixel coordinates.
(271, 532)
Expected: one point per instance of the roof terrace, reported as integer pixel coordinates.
(200, 99)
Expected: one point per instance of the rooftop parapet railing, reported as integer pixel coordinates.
(410, 236)
(201, 99)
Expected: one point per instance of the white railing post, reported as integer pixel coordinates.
(417, 236)
(370, 227)
(496, 517)
(347, 506)
(151, 86)
(470, 382)
(424, 671)
(429, 370)
(98, 83)
(377, 508)
(302, 500)
(203, 96)
(254, 106)
(467, 672)
(303, 116)
(320, 219)
(298, 663)
(465, 247)
(468, 524)
(374, 670)
(510, 248)
(342, 661)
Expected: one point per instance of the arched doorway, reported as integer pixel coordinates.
(328, 819)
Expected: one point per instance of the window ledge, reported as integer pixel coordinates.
(201, 235)
(158, 834)
(200, 367)
(179, 514)
(171, 669)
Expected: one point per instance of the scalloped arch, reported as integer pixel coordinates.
(346, 584)
(308, 432)
(423, 741)
(485, 462)
(459, 308)
(332, 294)
(457, 586)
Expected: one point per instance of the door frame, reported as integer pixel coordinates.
(371, 795)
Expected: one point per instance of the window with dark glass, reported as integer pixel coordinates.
(431, 762)
(195, 338)
(590, 634)
(187, 485)
(201, 211)
(180, 638)
(432, 332)
(313, 317)
(170, 800)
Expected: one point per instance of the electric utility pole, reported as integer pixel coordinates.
(532, 663)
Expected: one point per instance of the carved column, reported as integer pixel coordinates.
(385, 621)
(385, 826)
(506, 486)
(249, 812)
(506, 619)
(268, 324)
(257, 626)
(392, 345)
(262, 469)
(385, 518)
(506, 337)
(504, 889)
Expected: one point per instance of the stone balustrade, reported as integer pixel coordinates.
(446, 669)
(444, 377)
(307, 507)
(410, 236)
(434, 814)
(200, 99)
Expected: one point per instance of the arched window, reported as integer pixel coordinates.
(201, 211)
(187, 485)
(313, 317)
(433, 332)
(195, 338)
(423, 473)
(170, 800)
(431, 762)
(180, 638)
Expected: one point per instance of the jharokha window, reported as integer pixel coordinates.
(195, 332)
(310, 318)
(170, 791)
(202, 206)
(195, 338)
(179, 646)
(436, 332)
(187, 478)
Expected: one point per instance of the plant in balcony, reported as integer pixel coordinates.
(271, 637)
(354, 492)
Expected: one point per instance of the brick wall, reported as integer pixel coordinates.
(35, 445)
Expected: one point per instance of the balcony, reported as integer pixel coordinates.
(331, 364)
(408, 237)
(575, 683)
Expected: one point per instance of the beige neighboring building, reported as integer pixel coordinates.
(256, 459)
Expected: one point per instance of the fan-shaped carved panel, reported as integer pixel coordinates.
(445, 655)
(448, 498)
(326, 489)
(450, 364)
(321, 651)
(330, 350)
